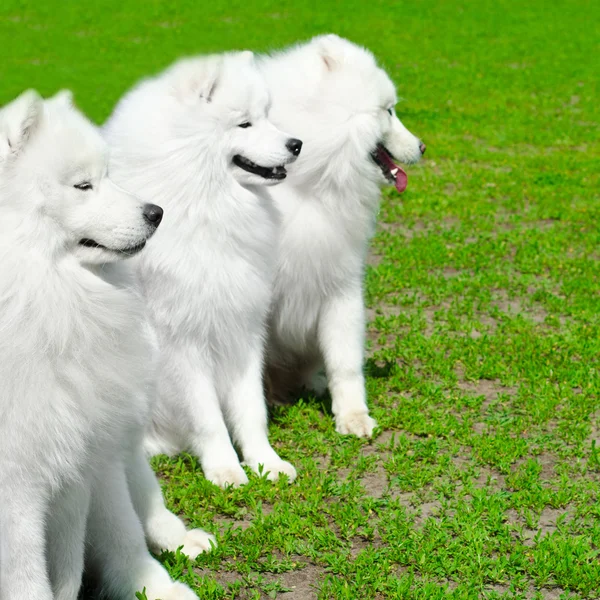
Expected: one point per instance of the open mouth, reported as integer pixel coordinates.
(391, 171)
(264, 172)
(130, 251)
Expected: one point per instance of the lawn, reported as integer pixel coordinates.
(483, 288)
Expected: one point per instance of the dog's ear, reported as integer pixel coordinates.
(198, 79)
(64, 97)
(18, 120)
(208, 86)
(247, 55)
(330, 50)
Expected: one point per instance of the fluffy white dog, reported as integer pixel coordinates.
(197, 138)
(332, 94)
(75, 365)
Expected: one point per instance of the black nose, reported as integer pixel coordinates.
(422, 148)
(294, 146)
(153, 214)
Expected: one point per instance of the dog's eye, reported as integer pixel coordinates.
(245, 125)
(391, 111)
(84, 186)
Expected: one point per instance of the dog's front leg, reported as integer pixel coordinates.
(163, 529)
(23, 568)
(118, 555)
(341, 333)
(66, 540)
(207, 431)
(247, 416)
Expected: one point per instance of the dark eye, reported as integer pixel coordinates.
(245, 125)
(84, 186)
(391, 111)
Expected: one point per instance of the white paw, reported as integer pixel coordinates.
(197, 541)
(176, 591)
(225, 476)
(274, 468)
(357, 423)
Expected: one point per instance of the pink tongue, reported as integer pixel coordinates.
(401, 178)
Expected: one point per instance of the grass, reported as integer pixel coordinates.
(483, 291)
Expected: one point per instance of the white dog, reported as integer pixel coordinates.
(75, 365)
(333, 95)
(197, 138)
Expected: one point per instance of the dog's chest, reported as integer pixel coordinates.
(216, 270)
(318, 253)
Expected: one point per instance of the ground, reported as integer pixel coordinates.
(483, 478)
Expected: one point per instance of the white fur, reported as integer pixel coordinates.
(75, 365)
(331, 94)
(207, 274)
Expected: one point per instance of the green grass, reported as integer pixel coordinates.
(483, 289)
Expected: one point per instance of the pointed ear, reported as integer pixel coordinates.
(247, 55)
(209, 87)
(197, 78)
(329, 62)
(17, 122)
(330, 50)
(64, 97)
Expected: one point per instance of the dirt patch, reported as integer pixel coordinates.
(511, 306)
(360, 543)
(223, 578)
(451, 272)
(385, 310)
(377, 340)
(489, 478)
(549, 518)
(546, 592)
(488, 388)
(430, 320)
(302, 583)
(223, 523)
(406, 499)
(402, 230)
(374, 258)
(514, 306)
(480, 428)
(546, 525)
(549, 593)
(490, 324)
(548, 462)
(376, 484)
(427, 510)
(384, 438)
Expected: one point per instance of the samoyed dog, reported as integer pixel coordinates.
(75, 366)
(197, 137)
(333, 95)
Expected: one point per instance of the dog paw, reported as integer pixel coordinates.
(226, 476)
(273, 469)
(197, 541)
(176, 591)
(281, 467)
(359, 424)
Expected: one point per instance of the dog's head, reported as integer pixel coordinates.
(343, 104)
(54, 164)
(224, 101)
